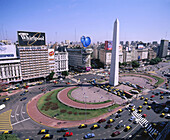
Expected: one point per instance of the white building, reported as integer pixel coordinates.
(10, 68)
(61, 60)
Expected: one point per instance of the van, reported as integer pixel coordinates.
(166, 109)
(2, 106)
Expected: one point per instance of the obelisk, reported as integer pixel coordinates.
(114, 69)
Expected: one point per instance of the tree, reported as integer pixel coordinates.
(50, 76)
(135, 64)
(65, 73)
(8, 137)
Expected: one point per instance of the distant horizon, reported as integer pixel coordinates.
(142, 20)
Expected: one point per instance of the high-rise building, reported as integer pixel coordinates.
(162, 52)
(114, 70)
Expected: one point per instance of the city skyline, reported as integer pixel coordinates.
(62, 20)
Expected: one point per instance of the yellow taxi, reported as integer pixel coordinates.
(128, 128)
(146, 99)
(155, 134)
(47, 136)
(95, 126)
(161, 97)
(118, 93)
(142, 98)
(83, 126)
(26, 90)
(149, 107)
(140, 107)
(109, 90)
(132, 109)
(145, 131)
(120, 110)
(139, 111)
(163, 114)
(6, 99)
(7, 132)
(145, 103)
(167, 87)
(43, 131)
(110, 121)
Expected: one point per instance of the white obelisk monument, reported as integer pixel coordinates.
(114, 69)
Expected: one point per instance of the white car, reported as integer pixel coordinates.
(2, 106)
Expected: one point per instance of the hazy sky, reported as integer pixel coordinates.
(142, 20)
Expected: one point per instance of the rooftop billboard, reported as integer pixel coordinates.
(108, 45)
(31, 38)
(7, 51)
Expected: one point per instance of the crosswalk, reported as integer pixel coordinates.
(5, 122)
(142, 121)
(151, 131)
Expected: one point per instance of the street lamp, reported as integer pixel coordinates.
(85, 105)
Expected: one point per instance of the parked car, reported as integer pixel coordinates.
(83, 126)
(119, 126)
(110, 120)
(132, 118)
(101, 120)
(62, 130)
(43, 131)
(7, 132)
(47, 136)
(24, 98)
(108, 126)
(115, 133)
(95, 126)
(68, 134)
(127, 128)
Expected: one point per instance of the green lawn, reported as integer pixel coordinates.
(69, 113)
(69, 95)
(160, 80)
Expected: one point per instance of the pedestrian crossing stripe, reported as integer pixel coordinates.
(5, 121)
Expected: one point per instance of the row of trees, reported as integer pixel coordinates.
(134, 64)
(51, 75)
(155, 61)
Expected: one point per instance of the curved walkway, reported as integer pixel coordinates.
(38, 117)
(62, 97)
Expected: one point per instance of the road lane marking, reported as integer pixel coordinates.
(20, 121)
(21, 113)
(16, 113)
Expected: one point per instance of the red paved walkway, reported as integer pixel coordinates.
(34, 113)
(62, 96)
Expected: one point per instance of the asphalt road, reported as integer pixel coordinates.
(24, 127)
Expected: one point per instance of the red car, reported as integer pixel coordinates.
(161, 92)
(144, 115)
(115, 133)
(67, 134)
(101, 120)
(152, 96)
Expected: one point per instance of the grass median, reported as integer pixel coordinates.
(50, 106)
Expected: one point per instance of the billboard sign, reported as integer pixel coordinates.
(31, 38)
(51, 54)
(141, 46)
(7, 51)
(108, 45)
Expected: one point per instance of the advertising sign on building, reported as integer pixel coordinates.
(141, 46)
(108, 45)
(31, 38)
(7, 51)
(51, 54)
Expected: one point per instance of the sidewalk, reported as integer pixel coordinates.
(9, 94)
(38, 117)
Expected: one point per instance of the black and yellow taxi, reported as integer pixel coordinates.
(43, 131)
(142, 98)
(161, 97)
(95, 126)
(146, 99)
(7, 132)
(140, 107)
(145, 103)
(110, 120)
(47, 136)
(6, 99)
(120, 110)
(132, 109)
(149, 107)
(162, 114)
(82, 126)
(128, 128)
(140, 110)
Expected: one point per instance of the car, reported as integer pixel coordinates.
(157, 93)
(89, 135)
(162, 115)
(62, 130)
(146, 99)
(22, 94)
(108, 126)
(140, 110)
(95, 126)
(140, 107)
(127, 128)
(6, 99)
(142, 98)
(47, 136)
(167, 116)
(132, 110)
(68, 134)
(28, 139)
(7, 132)
(145, 103)
(131, 105)
(144, 115)
(119, 126)
(62, 138)
(136, 121)
(152, 96)
(132, 118)
(161, 97)
(2, 106)
(149, 107)
(116, 133)
(110, 120)
(43, 131)
(24, 98)
(83, 126)
(120, 110)
(118, 116)
(101, 120)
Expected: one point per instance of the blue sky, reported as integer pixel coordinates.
(142, 20)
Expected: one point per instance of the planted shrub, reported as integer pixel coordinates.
(75, 113)
(54, 108)
(63, 111)
(70, 112)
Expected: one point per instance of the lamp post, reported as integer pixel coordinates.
(85, 105)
